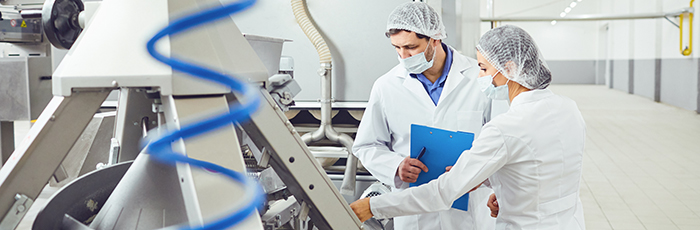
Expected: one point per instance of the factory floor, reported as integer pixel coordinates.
(641, 166)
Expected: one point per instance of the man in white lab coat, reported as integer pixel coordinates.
(532, 155)
(433, 85)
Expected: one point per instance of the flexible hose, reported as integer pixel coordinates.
(299, 9)
(161, 149)
(326, 129)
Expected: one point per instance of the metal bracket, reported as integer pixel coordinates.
(17, 212)
(264, 159)
(672, 22)
(304, 211)
(281, 212)
(113, 151)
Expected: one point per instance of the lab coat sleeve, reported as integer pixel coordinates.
(372, 143)
(488, 154)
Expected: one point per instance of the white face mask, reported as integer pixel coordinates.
(417, 64)
(491, 91)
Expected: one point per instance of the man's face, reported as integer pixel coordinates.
(408, 44)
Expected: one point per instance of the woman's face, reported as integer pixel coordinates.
(488, 70)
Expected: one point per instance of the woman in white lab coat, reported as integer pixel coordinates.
(531, 155)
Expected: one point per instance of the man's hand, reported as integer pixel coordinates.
(409, 169)
(361, 209)
(493, 205)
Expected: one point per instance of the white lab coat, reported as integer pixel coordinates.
(383, 137)
(532, 156)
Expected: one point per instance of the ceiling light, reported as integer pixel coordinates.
(554, 22)
(567, 10)
(562, 14)
(572, 5)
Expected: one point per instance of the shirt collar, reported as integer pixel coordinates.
(448, 64)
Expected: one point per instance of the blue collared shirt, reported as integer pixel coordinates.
(435, 89)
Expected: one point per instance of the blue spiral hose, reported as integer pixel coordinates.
(161, 149)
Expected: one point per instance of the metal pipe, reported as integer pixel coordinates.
(489, 8)
(30, 13)
(313, 136)
(689, 49)
(592, 17)
(490, 12)
(326, 128)
(326, 94)
(320, 133)
(347, 188)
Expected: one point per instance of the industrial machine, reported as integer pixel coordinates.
(28, 58)
(25, 60)
(145, 193)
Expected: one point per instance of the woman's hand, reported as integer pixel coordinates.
(493, 205)
(361, 209)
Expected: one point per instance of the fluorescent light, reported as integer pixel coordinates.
(567, 10)
(554, 22)
(572, 5)
(562, 14)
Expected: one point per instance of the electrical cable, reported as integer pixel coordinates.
(161, 149)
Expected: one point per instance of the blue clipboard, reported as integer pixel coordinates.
(442, 149)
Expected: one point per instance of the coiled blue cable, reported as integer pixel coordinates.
(161, 149)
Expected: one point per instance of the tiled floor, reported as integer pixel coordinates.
(641, 164)
(642, 161)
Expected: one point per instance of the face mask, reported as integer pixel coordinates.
(491, 91)
(417, 64)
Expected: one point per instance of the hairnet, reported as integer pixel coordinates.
(419, 18)
(514, 53)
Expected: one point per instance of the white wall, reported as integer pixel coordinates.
(640, 56)
(631, 38)
(645, 38)
(565, 40)
(675, 79)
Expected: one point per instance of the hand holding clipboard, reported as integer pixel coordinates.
(410, 168)
(437, 149)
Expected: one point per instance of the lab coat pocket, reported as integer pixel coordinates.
(559, 205)
(470, 121)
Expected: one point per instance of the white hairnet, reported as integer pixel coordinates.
(419, 18)
(514, 53)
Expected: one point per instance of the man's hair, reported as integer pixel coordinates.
(396, 31)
